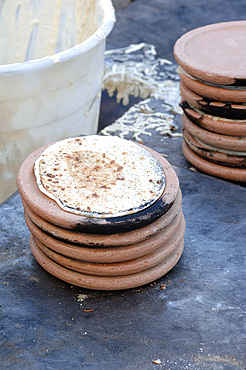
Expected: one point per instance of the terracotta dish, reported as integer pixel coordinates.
(95, 252)
(216, 108)
(212, 69)
(215, 124)
(214, 92)
(233, 143)
(215, 53)
(108, 282)
(118, 268)
(50, 211)
(213, 154)
(235, 174)
(102, 240)
(107, 254)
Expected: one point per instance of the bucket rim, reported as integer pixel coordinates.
(108, 20)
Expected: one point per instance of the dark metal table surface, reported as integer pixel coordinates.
(192, 318)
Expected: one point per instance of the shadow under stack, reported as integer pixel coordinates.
(212, 69)
(116, 221)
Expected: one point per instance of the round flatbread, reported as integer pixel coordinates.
(99, 176)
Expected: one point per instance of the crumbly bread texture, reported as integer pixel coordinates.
(99, 176)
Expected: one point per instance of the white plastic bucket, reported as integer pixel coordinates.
(51, 66)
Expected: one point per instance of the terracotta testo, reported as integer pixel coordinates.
(111, 253)
(101, 240)
(229, 173)
(106, 282)
(216, 108)
(215, 53)
(105, 253)
(213, 92)
(225, 158)
(49, 210)
(215, 124)
(226, 142)
(213, 97)
(117, 268)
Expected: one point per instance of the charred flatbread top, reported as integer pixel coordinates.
(99, 176)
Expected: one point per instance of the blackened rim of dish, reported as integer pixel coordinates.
(48, 209)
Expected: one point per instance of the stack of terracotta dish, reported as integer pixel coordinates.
(104, 213)
(212, 69)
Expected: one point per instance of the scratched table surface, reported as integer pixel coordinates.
(192, 318)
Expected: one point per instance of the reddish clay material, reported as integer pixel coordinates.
(106, 261)
(213, 169)
(213, 155)
(121, 268)
(216, 108)
(108, 255)
(51, 212)
(234, 143)
(120, 239)
(215, 53)
(226, 127)
(106, 283)
(213, 92)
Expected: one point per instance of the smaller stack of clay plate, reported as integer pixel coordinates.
(104, 213)
(212, 69)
